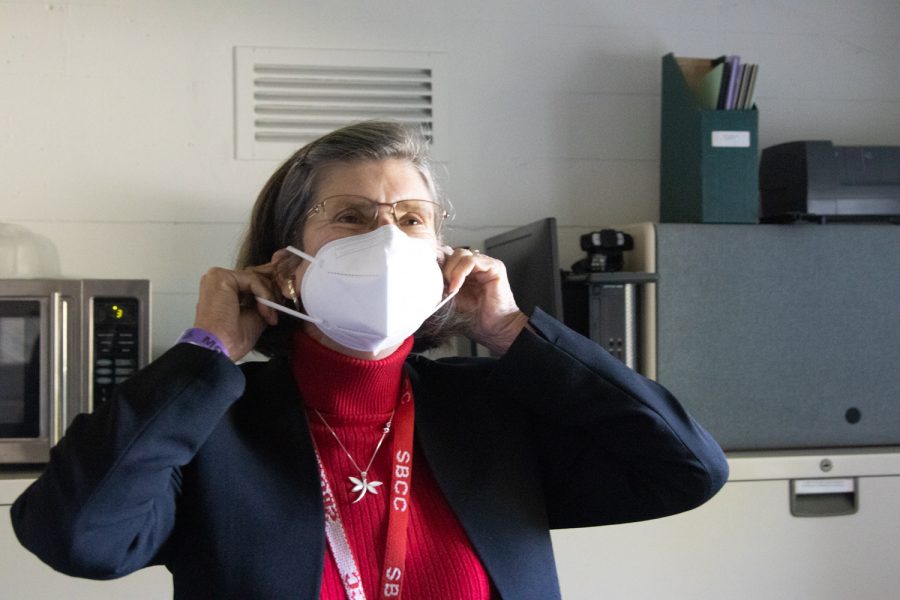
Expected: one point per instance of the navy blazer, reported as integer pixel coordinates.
(209, 469)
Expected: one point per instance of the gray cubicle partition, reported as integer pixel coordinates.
(782, 336)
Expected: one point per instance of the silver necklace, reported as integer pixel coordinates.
(362, 483)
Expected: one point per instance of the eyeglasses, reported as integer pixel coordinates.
(357, 213)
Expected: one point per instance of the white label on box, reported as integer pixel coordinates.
(731, 139)
(824, 486)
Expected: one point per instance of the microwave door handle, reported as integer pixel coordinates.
(59, 367)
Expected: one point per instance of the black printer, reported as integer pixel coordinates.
(816, 180)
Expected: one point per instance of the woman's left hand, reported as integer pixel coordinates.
(484, 293)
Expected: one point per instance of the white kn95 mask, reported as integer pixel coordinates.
(371, 291)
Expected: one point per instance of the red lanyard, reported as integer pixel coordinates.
(398, 516)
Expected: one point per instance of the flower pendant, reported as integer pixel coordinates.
(363, 486)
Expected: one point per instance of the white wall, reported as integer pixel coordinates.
(116, 118)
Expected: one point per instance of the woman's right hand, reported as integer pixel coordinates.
(219, 309)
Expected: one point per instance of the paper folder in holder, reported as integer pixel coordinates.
(824, 497)
(708, 157)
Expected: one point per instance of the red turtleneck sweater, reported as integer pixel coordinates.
(356, 398)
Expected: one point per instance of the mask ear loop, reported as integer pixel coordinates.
(300, 253)
(444, 301)
(287, 311)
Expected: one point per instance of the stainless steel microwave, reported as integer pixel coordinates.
(64, 345)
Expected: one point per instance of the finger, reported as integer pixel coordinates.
(259, 282)
(269, 315)
(459, 254)
(442, 253)
(455, 271)
(254, 281)
(464, 263)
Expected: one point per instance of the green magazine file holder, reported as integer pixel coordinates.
(708, 158)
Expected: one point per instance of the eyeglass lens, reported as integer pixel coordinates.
(357, 212)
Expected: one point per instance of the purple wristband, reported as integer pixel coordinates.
(201, 337)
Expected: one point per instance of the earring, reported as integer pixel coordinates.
(293, 292)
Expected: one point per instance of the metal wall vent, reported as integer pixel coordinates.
(286, 97)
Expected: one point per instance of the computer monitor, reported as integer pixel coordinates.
(531, 256)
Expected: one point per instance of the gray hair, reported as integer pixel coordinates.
(284, 202)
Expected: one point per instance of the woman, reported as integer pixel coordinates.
(347, 467)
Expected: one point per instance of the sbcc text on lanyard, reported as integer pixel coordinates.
(398, 516)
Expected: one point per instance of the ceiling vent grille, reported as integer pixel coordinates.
(285, 98)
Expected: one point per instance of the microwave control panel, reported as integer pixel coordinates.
(115, 342)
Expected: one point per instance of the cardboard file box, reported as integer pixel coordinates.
(708, 158)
